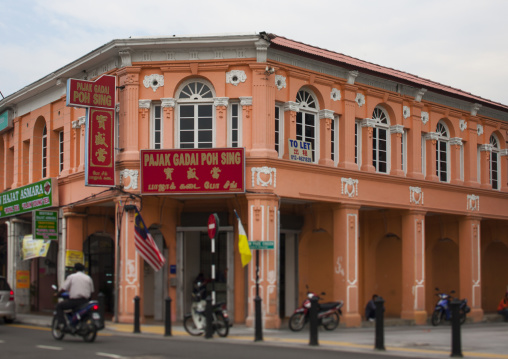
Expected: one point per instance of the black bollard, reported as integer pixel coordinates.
(209, 318)
(380, 334)
(258, 335)
(313, 319)
(167, 321)
(100, 299)
(136, 315)
(456, 342)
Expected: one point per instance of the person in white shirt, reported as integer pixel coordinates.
(80, 288)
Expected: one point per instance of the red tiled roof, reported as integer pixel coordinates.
(354, 63)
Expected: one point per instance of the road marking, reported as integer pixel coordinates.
(107, 355)
(48, 347)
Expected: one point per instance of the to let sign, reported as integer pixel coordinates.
(100, 93)
(100, 148)
(192, 171)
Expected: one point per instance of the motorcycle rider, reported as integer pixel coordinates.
(80, 288)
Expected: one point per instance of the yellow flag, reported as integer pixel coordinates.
(243, 244)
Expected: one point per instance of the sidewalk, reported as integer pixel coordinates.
(479, 340)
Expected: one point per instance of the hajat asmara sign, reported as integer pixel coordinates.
(192, 171)
(25, 199)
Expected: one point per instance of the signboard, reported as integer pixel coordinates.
(38, 195)
(100, 93)
(5, 120)
(33, 248)
(45, 225)
(300, 151)
(72, 257)
(23, 279)
(193, 171)
(261, 244)
(100, 148)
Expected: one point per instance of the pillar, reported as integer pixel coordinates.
(129, 113)
(347, 130)
(430, 156)
(345, 254)
(246, 103)
(168, 118)
(290, 110)
(485, 153)
(414, 143)
(471, 156)
(221, 121)
(413, 266)
(470, 265)
(367, 127)
(144, 127)
(263, 226)
(325, 137)
(396, 133)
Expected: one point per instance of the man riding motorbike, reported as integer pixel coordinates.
(80, 288)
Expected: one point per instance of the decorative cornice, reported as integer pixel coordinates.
(144, 103)
(262, 50)
(360, 99)
(503, 152)
(419, 94)
(245, 100)
(326, 114)
(168, 102)
(234, 77)
(221, 101)
(475, 108)
(291, 106)
(280, 82)
(486, 148)
(406, 111)
(456, 141)
(154, 81)
(125, 57)
(396, 129)
(368, 122)
(258, 181)
(351, 77)
(335, 94)
(349, 187)
(425, 117)
(82, 120)
(431, 136)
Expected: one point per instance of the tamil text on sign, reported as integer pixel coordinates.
(100, 148)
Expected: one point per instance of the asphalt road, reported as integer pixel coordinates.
(33, 342)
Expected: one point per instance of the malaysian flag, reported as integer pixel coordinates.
(145, 245)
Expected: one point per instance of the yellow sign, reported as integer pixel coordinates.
(23, 279)
(33, 248)
(72, 257)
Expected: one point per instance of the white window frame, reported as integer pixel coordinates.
(443, 140)
(494, 142)
(335, 140)
(153, 122)
(238, 129)
(478, 164)
(196, 101)
(44, 152)
(424, 154)
(60, 151)
(380, 126)
(306, 108)
(358, 143)
(279, 136)
(403, 151)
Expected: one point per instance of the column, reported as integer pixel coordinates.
(263, 226)
(347, 130)
(325, 137)
(221, 121)
(367, 126)
(246, 103)
(345, 254)
(470, 265)
(413, 266)
(168, 116)
(290, 110)
(144, 126)
(414, 143)
(455, 155)
(396, 133)
(129, 112)
(485, 153)
(430, 156)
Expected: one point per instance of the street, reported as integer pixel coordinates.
(18, 341)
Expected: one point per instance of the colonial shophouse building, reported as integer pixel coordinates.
(403, 187)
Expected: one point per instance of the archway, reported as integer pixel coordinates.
(494, 277)
(388, 264)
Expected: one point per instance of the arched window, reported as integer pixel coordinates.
(44, 152)
(380, 140)
(442, 144)
(306, 119)
(195, 115)
(494, 162)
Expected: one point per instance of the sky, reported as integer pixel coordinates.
(459, 43)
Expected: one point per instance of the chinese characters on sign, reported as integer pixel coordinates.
(100, 168)
(300, 151)
(211, 170)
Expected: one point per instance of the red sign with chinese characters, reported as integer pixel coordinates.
(192, 171)
(100, 148)
(100, 93)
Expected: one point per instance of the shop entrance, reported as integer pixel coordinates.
(43, 275)
(288, 273)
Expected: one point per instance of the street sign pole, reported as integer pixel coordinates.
(213, 232)
(257, 305)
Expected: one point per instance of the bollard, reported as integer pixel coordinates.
(167, 321)
(136, 315)
(101, 300)
(380, 335)
(313, 318)
(258, 335)
(209, 318)
(456, 342)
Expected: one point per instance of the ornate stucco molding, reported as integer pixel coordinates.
(326, 114)
(486, 148)
(125, 57)
(351, 77)
(396, 129)
(462, 125)
(425, 117)
(245, 100)
(419, 94)
(475, 108)
(280, 82)
(144, 103)
(154, 81)
(406, 111)
(431, 136)
(129, 179)
(168, 102)
(360, 99)
(221, 101)
(457, 141)
(415, 195)
(479, 129)
(258, 181)
(335, 94)
(368, 122)
(473, 203)
(349, 187)
(291, 106)
(234, 77)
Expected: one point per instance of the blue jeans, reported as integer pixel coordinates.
(504, 313)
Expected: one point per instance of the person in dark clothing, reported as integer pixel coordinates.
(370, 309)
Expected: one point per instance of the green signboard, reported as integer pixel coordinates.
(5, 120)
(261, 244)
(45, 225)
(38, 195)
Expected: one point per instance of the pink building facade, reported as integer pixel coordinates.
(403, 186)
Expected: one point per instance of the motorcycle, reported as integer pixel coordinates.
(328, 313)
(442, 310)
(195, 321)
(85, 321)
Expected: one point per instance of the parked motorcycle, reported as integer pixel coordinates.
(195, 321)
(85, 321)
(328, 313)
(442, 310)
